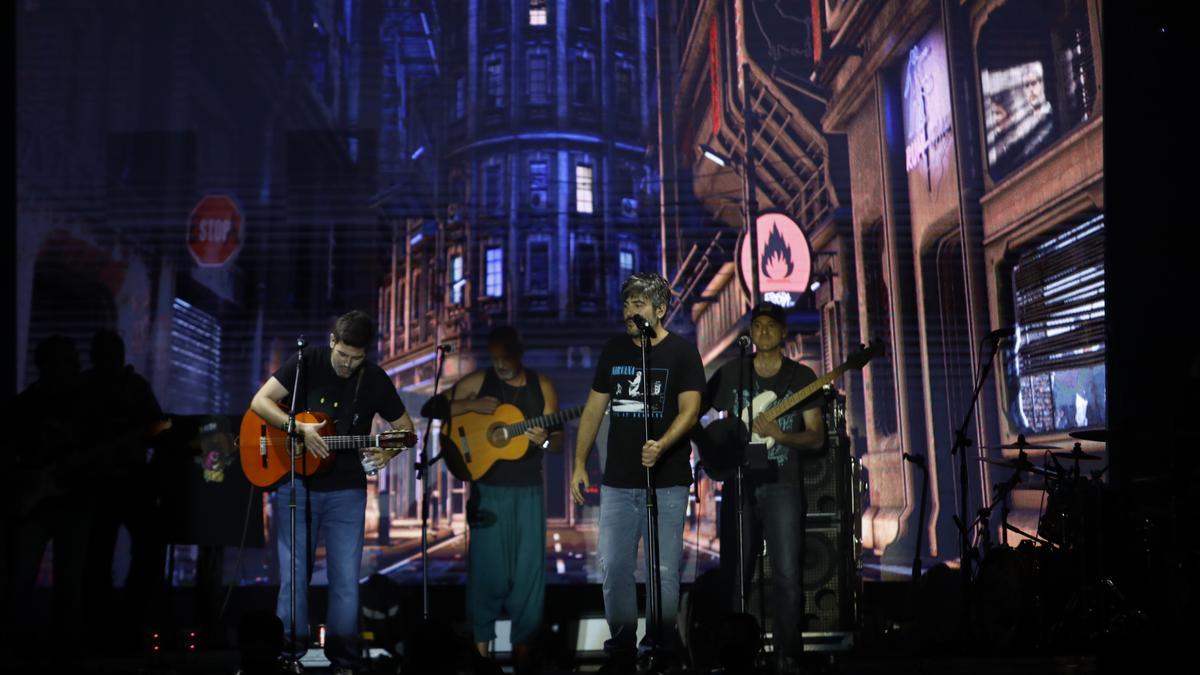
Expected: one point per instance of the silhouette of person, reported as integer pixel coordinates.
(45, 500)
(123, 413)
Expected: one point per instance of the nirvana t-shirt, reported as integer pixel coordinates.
(783, 460)
(674, 367)
(350, 412)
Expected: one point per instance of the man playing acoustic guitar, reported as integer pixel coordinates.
(506, 565)
(338, 381)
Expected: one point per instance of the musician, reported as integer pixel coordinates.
(338, 381)
(506, 559)
(674, 383)
(775, 502)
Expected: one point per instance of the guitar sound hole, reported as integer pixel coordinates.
(499, 436)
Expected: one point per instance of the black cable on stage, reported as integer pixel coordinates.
(241, 550)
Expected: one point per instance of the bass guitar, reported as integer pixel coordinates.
(473, 442)
(267, 457)
(718, 442)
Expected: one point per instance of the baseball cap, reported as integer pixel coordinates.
(769, 309)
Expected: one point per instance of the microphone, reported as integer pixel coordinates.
(447, 347)
(1001, 333)
(301, 343)
(743, 340)
(642, 325)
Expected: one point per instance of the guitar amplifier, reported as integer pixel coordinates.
(826, 488)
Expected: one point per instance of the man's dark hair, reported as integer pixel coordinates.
(507, 338)
(108, 350)
(354, 329)
(649, 285)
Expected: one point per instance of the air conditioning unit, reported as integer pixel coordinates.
(629, 207)
(454, 213)
(538, 199)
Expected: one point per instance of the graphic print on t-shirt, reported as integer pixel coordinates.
(629, 386)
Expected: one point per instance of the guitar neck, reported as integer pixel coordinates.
(546, 421)
(351, 442)
(789, 402)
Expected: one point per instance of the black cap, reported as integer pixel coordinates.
(769, 309)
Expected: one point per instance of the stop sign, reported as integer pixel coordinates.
(215, 230)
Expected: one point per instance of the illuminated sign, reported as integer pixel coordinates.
(928, 130)
(784, 259)
(215, 230)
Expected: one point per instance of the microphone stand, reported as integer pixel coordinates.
(653, 578)
(293, 446)
(739, 479)
(960, 449)
(916, 564)
(423, 475)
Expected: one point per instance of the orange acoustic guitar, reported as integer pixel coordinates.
(265, 453)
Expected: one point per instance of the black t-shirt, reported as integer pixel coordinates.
(791, 378)
(323, 391)
(526, 470)
(675, 367)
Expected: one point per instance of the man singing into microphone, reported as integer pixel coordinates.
(674, 382)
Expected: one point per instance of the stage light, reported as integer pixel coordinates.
(713, 156)
(816, 283)
(418, 152)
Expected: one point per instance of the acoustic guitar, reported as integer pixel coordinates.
(266, 455)
(473, 442)
(718, 442)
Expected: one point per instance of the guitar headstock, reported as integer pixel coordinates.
(864, 354)
(398, 438)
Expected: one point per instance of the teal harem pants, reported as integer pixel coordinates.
(506, 560)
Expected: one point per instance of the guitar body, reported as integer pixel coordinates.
(265, 453)
(473, 442)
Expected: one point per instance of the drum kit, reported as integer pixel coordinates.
(1054, 583)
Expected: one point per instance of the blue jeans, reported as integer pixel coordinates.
(775, 511)
(622, 525)
(339, 515)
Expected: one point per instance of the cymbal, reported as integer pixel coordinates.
(1022, 444)
(1020, 464)
(1097, 435)
(1077, 454)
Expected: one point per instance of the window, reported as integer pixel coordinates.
(457, 279)
(584, 78)
(195, 373)
(582, 13)
(494, 83)
(583, 188)
(1055, 370)
(626, 260)
(537, 282)
(539, 183)
(537, 12)
(493, 273)
(626, 95)
(539, 70)
(587, 268)
(460, 98)
(418, 293)
(493, 199)
(1037, 77)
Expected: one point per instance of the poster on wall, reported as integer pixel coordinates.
(929, 158)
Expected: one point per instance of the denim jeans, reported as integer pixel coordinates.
(776, 511)
(622, 525)
(339, 516)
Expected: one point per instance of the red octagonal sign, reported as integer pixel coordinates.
(215, 230)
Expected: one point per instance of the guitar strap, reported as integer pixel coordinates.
(353, 406)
